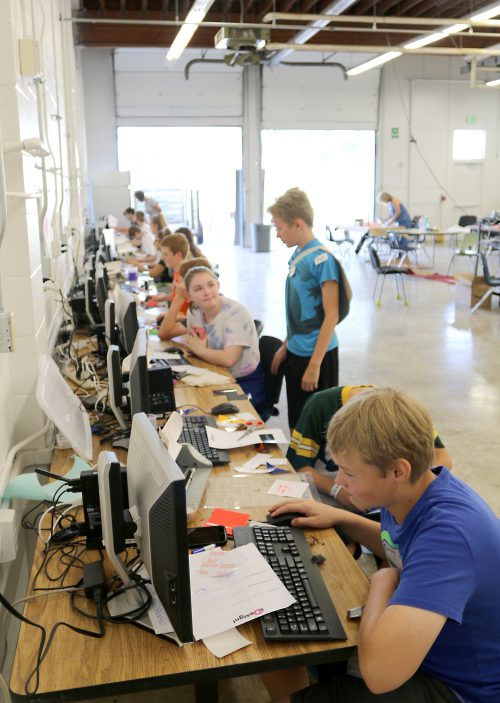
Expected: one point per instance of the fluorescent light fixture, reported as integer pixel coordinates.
(486, 14)
(455, 28)
(373, 63)
(194, 18)
(493, 83)
(423, 41)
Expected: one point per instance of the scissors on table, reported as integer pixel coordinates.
(249, 426)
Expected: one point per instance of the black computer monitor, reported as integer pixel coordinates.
(157, 495)
(110, 328)
(101, 294)
(138, 379)
(126, 317)
(116, 388)
(89, 287)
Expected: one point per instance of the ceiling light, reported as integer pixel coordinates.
(486, 14)
(455, 28)
(194, 18)
(493, 83)
(373, 63)
(423, 41)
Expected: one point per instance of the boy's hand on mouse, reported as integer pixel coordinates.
(315, 514)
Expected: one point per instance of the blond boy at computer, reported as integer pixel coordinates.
(430, 629)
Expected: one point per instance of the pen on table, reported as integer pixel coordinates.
(203, 549)
(190, 477)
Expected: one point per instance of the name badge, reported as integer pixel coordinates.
(321, 258)
(291, 271)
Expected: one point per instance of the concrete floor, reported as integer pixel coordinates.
(435, 350)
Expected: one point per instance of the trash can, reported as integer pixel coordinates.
(261, 237)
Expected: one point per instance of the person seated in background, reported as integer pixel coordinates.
(140, 220)
(171, 322)
(151, 206)
(194, 250)
(308, 447)
(174, 250)
(142, 239)
(129, 214)
(430, 628)
(221, 331)
(151, 262)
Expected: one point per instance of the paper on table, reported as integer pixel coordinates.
(260, 460)
(290, 489)
(189, 369)
(220, 439)
(248, 592)
(225, 642)
(206, 378)
(170, 433)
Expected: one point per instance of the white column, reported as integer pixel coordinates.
(252, 166)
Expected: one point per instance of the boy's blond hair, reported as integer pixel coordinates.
(292, 205)
(177, 243)
(382, 425)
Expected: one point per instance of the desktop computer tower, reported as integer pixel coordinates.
(161, 390)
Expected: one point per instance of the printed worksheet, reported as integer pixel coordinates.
(230, 588)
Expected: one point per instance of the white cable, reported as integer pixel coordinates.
(40, 529)
(53, 592)
(4, 690)
(40, 522)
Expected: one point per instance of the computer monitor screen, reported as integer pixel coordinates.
(157, 496)
(109, 241)
(126, 317)
(63, 407)
(138, 380)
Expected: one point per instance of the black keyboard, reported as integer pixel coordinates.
(313, 615)
(194, 432)
(168, 363)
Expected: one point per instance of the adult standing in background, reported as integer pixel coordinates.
(310, 351)
(399, 216)
(151, 207)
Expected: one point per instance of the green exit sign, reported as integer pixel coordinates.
(471, 119)
(395, 132)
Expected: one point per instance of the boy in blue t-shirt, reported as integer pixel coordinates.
(430, 630)
(310, 351)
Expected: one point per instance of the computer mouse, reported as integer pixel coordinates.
(224, 409)
(282, 520)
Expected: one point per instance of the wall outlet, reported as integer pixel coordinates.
(6, 332)
(8, 535)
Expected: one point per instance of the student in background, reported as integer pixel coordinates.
(310, 351)
(174, 250)
(143, 239)
(308, 447)
(129, 214)
(159, 225)
(193, 249)
(172, 321)
(221, 331)
(151, 207)
(430, 628)
(141, 222)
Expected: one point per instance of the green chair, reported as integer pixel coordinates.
(467, 246)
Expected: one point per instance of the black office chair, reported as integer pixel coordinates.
(259, 326)
(386, 271)
(490, 280)
(467, 220)
(268, 346)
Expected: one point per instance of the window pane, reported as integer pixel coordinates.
(469, 144)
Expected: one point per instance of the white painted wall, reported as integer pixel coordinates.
(36, 309)
(426, 97)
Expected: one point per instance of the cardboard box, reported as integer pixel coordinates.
(470, 289)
